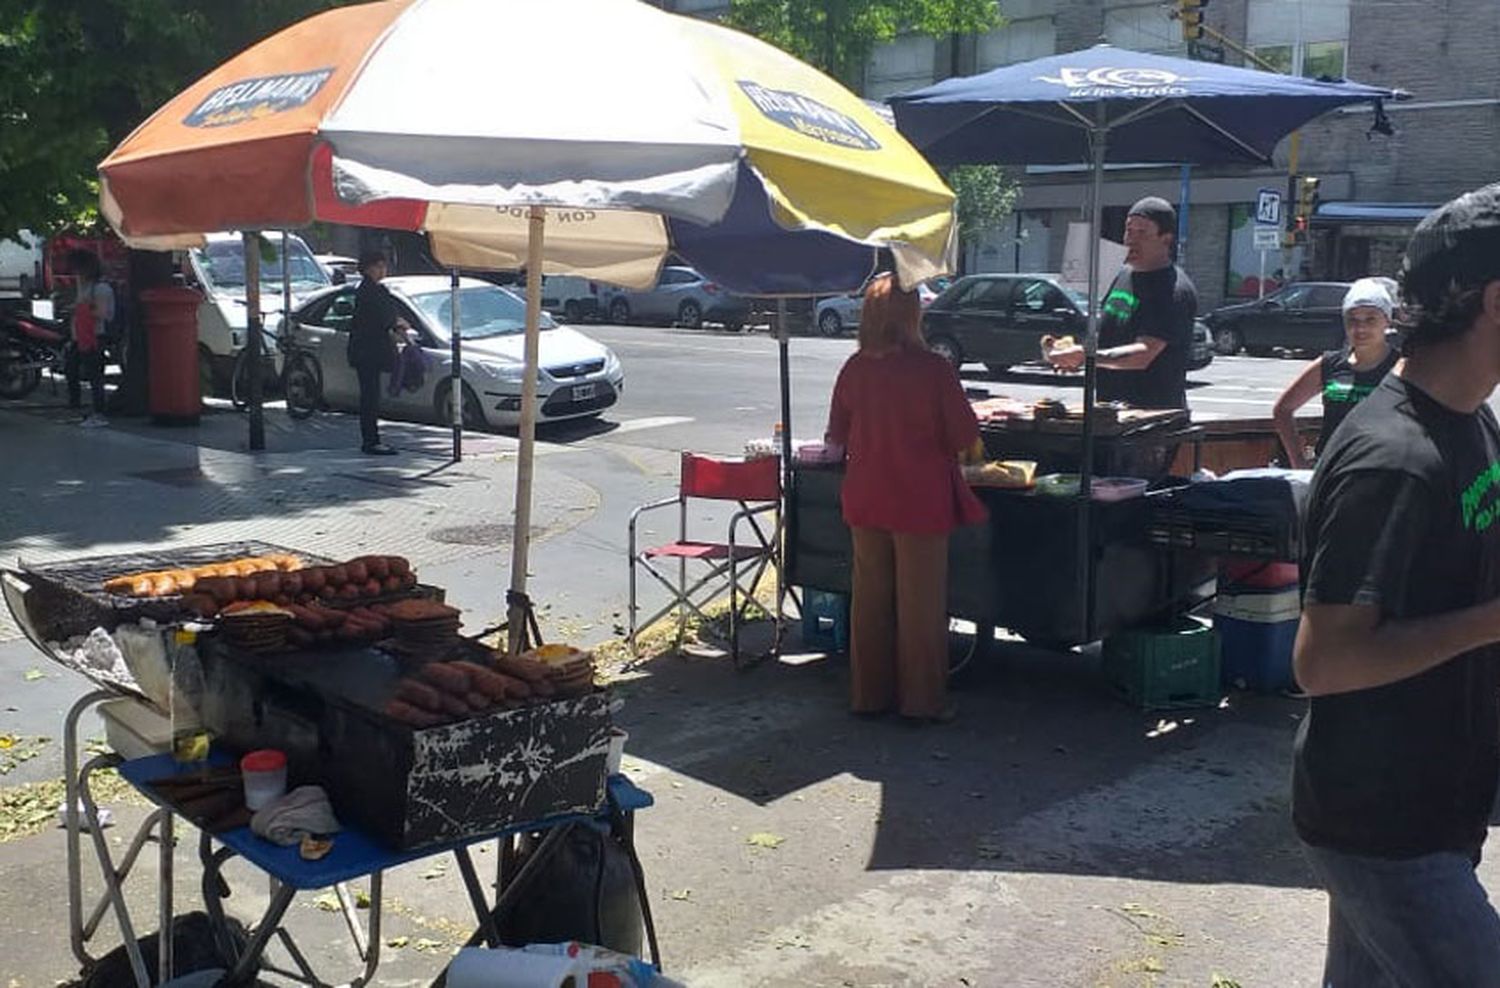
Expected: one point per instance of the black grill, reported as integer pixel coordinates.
(577, 370)
(562, 403)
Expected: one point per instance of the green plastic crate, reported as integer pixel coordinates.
(1165, 667)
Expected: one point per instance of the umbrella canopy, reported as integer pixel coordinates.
(1154, 108)
(658, 133)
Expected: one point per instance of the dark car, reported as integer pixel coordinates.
(1201, 353)
(1305, 315)
(999, 319)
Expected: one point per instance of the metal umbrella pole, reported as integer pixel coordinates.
(1098, 139)
(517, 608)
(456, 380)
(251, 241)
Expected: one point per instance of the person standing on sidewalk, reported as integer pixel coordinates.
(372, 345)
(1396, 762)
(93, 309)
(902, 495)
(1344, 377)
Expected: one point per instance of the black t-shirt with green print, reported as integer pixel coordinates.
(1404, 516)
(1160, 303)
(1345, 386)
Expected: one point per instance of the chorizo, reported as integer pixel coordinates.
(410, 715)
(446, 676)
(419, 693)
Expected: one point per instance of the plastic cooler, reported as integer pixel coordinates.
(1165, 667)
(825, 620)
(1257, 628)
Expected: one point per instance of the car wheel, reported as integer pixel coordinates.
(947, 348)
(734, 325)
(17, 381)
(571, 312)
(1228, 341)
(829, 323)
(997, 370)
(303, 387)
(690, 315)
(619, 312)
(473, 414)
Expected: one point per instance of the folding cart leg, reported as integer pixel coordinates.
(166, 938)
(76, 933)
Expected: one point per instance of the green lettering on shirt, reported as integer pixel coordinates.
(1474, 496)
(1343, 393)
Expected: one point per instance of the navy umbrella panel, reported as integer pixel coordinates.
(1151, 107)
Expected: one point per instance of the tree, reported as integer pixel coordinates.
(986, 195)
(838, 36)
(77, 76)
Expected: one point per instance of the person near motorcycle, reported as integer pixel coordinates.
(93, 309)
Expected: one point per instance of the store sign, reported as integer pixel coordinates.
(1267, 238)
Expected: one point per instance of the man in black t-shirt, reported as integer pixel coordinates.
(372, 345)
(1146, 321)
(1397, 759)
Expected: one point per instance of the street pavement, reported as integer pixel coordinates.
(1050, 836)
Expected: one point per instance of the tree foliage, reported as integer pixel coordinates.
(838, 36)
(986, 195)
(77, 76)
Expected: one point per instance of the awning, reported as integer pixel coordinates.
(1339, 213)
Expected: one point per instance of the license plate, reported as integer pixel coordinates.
(583, 392)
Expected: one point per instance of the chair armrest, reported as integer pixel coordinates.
(748, 514)
(654, 505)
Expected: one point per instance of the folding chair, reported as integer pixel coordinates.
(756, 486)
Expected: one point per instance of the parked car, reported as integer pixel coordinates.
(579, 376)
(837, 314)
(682, 297)
(570, 298)
(1305, 315)
(1201, 353)
(341, 270)
(999, 319)
(21, 265)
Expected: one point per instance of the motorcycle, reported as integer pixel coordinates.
(30, 345)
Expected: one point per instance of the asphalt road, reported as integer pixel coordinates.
(710, 391)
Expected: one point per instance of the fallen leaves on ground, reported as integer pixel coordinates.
(426, 946)
(396, 943)
(328, 902)
(17, 749)
(681, 895)
(770, 841)
(32, 808)
(32, 675)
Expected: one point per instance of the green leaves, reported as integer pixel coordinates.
(986, 196)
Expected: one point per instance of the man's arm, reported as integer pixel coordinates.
(1346, 647)
(1128, 357)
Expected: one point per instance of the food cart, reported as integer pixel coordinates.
(424, 740)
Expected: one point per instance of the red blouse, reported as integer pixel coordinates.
(904, 419)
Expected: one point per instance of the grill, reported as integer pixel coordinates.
(68, 598)
(562, 403)
(576, 370)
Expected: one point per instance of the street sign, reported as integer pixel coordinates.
(1267, 238)
(1268, 208)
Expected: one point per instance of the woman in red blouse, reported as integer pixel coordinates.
(901, 414)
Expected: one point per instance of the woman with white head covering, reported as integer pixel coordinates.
(1345, 376)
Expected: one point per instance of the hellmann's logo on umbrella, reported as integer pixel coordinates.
(251, 99)
(1119, 83)
(809, 117)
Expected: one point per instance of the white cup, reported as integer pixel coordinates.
(617, 738)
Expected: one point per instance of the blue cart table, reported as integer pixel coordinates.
(355, 855)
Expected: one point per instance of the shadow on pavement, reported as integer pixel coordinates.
(1044, 770)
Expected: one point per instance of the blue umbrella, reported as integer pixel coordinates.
(1112, 104)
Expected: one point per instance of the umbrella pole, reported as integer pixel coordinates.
(783, 350)
(521, 536)
(1097, 141)
(251, 241)
(456, 381)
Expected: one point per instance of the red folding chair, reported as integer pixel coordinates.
(756, 486)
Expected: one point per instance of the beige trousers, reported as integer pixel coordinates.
(898, 650)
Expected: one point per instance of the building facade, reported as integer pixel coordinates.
(1373, 187)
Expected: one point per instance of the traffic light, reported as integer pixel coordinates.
(1302, 190)
(1190, 12)
(1307, 196)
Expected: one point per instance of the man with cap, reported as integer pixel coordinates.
(372, 345)
(1396, 761)
(1146, 321)
(1344, 377)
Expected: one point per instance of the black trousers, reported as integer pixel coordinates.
(369, 404)
(83, 366)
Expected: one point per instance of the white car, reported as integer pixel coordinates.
(837, 314)
(579, 377)
(21, 265)
(340, 269)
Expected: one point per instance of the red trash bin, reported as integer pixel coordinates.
(172, 341)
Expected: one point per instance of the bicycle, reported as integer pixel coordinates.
(300, 380)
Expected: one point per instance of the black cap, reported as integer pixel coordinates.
(1158, 211)
(372, 256)
(1456, 246)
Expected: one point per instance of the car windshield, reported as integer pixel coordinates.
(223, 265)
(483, 311)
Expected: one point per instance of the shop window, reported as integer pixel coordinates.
(1323, 58)
(1242, 272)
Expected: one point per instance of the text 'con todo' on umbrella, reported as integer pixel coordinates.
(1112, 104)
(683, 137)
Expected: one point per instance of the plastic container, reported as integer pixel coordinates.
(1257, 629)
(1256, 574)
(825, 621)
(264, 775)
(1165, 668)
(1058, 484)
(134, 730)
(1117, 488)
